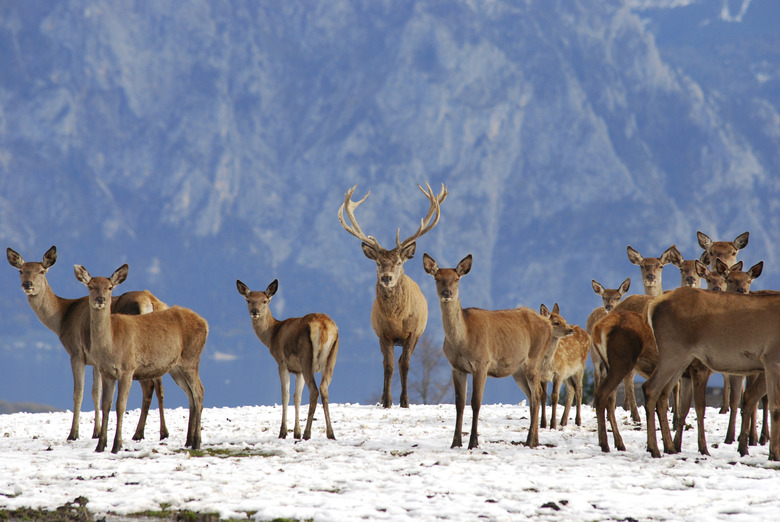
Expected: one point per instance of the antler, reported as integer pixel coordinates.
(425, 223)
(355, 229)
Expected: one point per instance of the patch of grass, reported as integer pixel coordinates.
(74, 511)
(225, 453)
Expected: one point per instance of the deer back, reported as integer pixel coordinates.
(300, 342)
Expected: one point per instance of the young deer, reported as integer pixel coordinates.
(567, 365)
(489, 343)
(400, 311)
(127, 347)
(69, 319)
(610, 297)
(302, 346)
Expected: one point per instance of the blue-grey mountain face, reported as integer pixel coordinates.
(202, 142)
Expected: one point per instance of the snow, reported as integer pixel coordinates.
(391, 464)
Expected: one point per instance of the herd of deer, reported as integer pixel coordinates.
(675, 339)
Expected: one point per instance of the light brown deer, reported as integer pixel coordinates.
(127, 347)
(302, 346)
(610, 297)
(651, 269)
(695, 324)
(400, 311)
(489, 343)
(69, 319)
(691, 270)
(567, 365)
(727, 252)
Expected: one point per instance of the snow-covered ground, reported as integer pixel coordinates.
(386, 465)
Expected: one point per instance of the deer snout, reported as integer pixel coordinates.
(27, 286)
(100, 302)
(608, 308)
(650, 278)
(254, 312)
(386, 279)
(742, 290)
(446, 294)
(690, 281)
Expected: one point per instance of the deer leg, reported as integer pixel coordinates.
(108, 385)
(77, 367)
(313, 397)
(700, 405)
(97, 388)
(576, 382)
(387, 362)
(403, 367)
(123, 391)
(605, 399)
(753, 433)
(735, 395)
(158, 388)
(725, 400)
(297, 396)
(533, 400)
(543, 403)
(284, 377)
(754, 390)
(765, 424)
(459, 383)
(478, 387)
(324, 382)
(147, 390)
(555, 396)
(629, 399)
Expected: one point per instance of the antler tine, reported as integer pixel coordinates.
(355, 229)
(425, 224)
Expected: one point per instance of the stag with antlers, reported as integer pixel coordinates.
(400, 311)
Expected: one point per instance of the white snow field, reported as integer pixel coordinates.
(385, 465)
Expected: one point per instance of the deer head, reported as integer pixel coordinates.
(447, 279)
(33, 274)
(100, 288)
(725, 250)
(610, 297)
(737, 280)
(691, 270)
(651, 267)
(560, 327)
(389, 263)
(257, 301)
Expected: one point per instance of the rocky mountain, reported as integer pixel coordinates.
(204, 141)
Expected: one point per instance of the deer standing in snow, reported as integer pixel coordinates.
(127, 347)
(69, 319)
(400, 311)
(489, 343)
(302, 346)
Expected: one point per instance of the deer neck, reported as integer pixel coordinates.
(654, 291)
(265, 328)
(454, 321)
(101, 336)
(393, 299)
(49, 307)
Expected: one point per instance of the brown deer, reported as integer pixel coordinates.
(69, 319)
(400, 311)
(691, 270)
(695, 324)
(567, 365)
(489, 343)
(651, 269)
(610, 297)
(726, 251)
(302, 346)
(127, 347)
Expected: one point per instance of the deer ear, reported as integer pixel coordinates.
(82, 274)
(272, 288)
(704, 240)
(556, 309)
(756, 270)
(119, 275)
(720, 267)
(429, 264)
(50, 257)
(673, 256)
(242, 288)
(597, 286)
(701, 268)
(408, 252)
(369, 251)
(634, 256)
(464, 267)
(742, 240)
(624, 286)
(543, 311)
(14, 258)
(705, 259)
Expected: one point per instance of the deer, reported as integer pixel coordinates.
(400, 310)
(692, 271)
(567, 365)
(610, 297)
(651, 269)
(489, 343)
(69, 320)
(691, 324)
(727, 252)
(127, 347)
(302, 346)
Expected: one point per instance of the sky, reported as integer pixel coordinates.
(385, 465)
